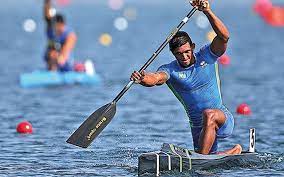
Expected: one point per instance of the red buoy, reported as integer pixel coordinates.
(244, 109)
(262, 7)
(224, 60)
(24, 127)
(275, 17)
(272, 15)
(79, 67)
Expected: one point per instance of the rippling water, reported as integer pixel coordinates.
(146, 117)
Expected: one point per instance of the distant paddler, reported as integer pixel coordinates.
(193, 78)
(61, 40)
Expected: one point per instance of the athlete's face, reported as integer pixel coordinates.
(184, 54)
(59, 28)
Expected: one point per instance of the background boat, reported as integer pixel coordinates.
(50, 78)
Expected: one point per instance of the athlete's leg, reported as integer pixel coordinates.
(212, 120)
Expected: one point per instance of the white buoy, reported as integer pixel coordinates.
(29, 25)
(120, 23)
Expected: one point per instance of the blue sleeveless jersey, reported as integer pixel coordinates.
(51, 36)
(60, 40)
(196, 87)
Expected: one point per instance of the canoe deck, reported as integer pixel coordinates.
(172, 157)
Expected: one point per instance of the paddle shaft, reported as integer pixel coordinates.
(97, 121)
(155, 54)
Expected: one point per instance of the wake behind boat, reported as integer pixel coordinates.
(174, 158)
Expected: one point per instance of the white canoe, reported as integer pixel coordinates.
(174, 158)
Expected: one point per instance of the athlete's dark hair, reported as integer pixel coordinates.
(179, 39)
(59, 18)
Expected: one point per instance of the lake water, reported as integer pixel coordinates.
(146, 117)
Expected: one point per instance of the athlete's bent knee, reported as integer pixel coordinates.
(209, 118)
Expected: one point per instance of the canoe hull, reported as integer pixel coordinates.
(47, 78)
(180, 160)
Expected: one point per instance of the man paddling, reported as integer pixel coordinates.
(61, 41)
(193, 78)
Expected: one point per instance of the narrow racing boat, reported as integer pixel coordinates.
(49, 78)
(172, 157)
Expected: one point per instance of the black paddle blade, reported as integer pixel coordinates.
(93, 126)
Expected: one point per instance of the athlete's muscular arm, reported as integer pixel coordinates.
(219, 44)
(46, 10)
(67, 48)
(149, 79)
